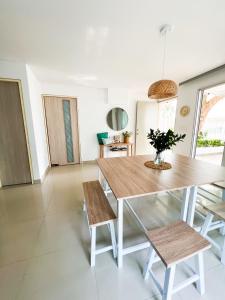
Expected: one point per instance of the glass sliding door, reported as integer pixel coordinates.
(68, 131)
(210, 133)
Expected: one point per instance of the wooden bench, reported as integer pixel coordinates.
(173, 244)
(99, 212)
(214, 210)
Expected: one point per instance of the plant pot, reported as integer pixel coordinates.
(158, 160)
(126, 139)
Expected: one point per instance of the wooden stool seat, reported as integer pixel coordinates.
(98, 207)
(99, 212)
(173, 244)
(220, 184)
(176, 242)
(217, 210)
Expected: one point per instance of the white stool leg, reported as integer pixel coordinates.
(113, 239)
(206, 225)
(223, 254)
(200, 284)
(168, 283)
(149, 264)
(93, 245)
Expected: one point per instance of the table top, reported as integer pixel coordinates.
(129, 178)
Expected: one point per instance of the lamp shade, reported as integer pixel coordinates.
(163, 89)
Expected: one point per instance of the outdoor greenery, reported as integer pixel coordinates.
(203, 141)
(164, 140)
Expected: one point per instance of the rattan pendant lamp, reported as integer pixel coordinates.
(163, 89)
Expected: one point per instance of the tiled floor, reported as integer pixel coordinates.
(44, 245)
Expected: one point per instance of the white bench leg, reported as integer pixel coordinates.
(206, 225)
(113, 239)
(93, 245)
(168, 283)
(200, 284)
(149, 264)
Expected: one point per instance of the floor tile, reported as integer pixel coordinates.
(11, 277)
(215, 285)
(61, 231)
(60, 275)
(17, 241)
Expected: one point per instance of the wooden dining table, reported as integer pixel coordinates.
(129, 178)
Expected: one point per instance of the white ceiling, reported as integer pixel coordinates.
(112, 43)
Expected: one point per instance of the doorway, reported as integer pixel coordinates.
(152, 114)
(14, 156)
(62, 130)
(210, 132)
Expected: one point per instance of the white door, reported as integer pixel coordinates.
(147, 117)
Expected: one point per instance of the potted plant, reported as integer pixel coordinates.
(126, 136)
(162, 141)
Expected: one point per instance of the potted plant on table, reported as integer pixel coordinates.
(126, 137)
(162, 141)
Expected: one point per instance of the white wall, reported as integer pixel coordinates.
(92, 111)
(188, 94)
(38, 122)
(12, 70)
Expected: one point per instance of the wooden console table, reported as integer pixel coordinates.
(128, 145)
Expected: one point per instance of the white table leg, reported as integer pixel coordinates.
(120, 231)
(185, 202)
(191, 206)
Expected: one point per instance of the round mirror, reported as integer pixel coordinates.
(117, 118)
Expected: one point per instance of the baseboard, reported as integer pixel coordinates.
(36, 181)
(88, 162)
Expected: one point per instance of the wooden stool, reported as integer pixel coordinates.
(214, 210)
(173, 244)
(99, 212)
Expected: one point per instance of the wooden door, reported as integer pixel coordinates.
(147, 117)
(14, 159)
(62, 128)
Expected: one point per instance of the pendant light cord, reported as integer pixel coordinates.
(164, 55)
